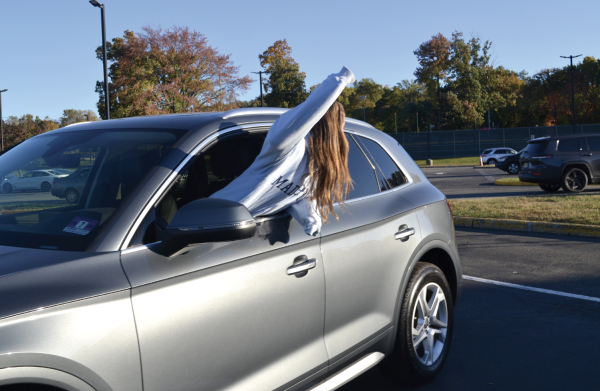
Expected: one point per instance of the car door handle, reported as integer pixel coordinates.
(302, 267)
(404, 235)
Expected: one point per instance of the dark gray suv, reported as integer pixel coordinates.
(568, 162)
(144, 283)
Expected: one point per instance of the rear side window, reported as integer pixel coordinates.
(535, 148)
(594, 143)
(487, 151)
(361, 172)
(569, 145)
(388, 173)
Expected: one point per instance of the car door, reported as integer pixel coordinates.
(24, 182)
(593, 155)
(229, 316)
(364, 263)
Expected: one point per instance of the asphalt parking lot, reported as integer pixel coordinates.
(515, 339)
(469, 182)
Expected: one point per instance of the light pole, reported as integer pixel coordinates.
(364, 99)
(261, 95)
(1, 126)
(102, 7)
(572, 88)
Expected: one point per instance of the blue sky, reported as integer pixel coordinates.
(47, 46)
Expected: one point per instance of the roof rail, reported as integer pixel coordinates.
(275, 111)
(253, 110)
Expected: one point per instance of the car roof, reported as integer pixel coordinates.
(562, 137)
(204, 122)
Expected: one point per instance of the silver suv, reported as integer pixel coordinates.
(146, 284)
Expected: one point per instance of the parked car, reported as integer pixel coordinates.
(510, 163)
(147, 284)
(491, 156)
(567, 162)
(33, 180)
(71, 186)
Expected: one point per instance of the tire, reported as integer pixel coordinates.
(414, 359)
(491, 162)
(7, 188)
(550, 188)
(514, 168)
(46, 187)
(574, 180)
(72, 196)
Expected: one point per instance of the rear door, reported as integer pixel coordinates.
(228, 316)
(364, 263)
(593, 155)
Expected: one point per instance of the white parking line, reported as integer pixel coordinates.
(529, 288)
(488, 177)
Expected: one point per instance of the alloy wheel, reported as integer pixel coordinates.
(575, 181)
(46, 187)
(71, 196)
(430, 324)
(513, 168)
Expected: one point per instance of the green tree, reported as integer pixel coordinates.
(433, 70)
(20, 129)
(285, 86)
(168, 71)
(72, 116)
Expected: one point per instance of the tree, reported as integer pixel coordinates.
(72, 116)
(285, 86)
(475, 86)
(433, 69)
(18, 129)
(170, 71)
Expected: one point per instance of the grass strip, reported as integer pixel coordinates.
(455, 161)
(576, 209)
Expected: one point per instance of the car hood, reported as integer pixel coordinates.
(31, 279)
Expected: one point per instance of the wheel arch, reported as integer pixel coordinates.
(581, 165)
(439, 253)
(40, 379)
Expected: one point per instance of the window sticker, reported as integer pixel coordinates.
(81, 226)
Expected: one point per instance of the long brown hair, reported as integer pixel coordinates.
(328, 161)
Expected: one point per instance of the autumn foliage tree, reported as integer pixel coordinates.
(18, 129)
(168, 71)
(285, 86)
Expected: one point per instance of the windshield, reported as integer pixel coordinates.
(46, 203)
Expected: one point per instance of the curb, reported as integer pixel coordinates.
(529, 226)
(500, 182)
(443, 166)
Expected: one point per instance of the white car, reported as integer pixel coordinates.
(491, 156)
(33, 180)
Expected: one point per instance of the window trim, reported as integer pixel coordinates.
(208, 140)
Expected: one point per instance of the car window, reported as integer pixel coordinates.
(593, 143)
(535, 148)
(38, 174)
(487, 151)
(361, 171)
(28, 175)
(569, 145)
(119, 159)
(388, 173)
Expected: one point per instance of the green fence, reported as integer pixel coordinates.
(462, 143)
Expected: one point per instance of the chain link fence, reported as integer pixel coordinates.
(463, 143)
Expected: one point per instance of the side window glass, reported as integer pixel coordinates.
(593, 143)
(388, 173)
(361, 172)
(209, 172)
(569, 145)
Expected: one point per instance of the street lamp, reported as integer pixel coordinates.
(1, 128)
(364, 99)
(102, 7)
(572, 88)
(260, 76)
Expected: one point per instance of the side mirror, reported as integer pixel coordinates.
(207, 220)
